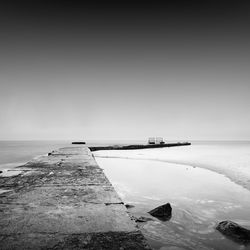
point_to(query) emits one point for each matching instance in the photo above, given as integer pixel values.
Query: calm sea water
(200, 199)
(231, 159)
(182, 176)
(14, 153)
(208, 153)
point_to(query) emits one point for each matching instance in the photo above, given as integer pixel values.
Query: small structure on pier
(151, 140)
(155, 140)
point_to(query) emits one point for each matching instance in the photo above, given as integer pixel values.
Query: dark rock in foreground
(163, 212)
(234, 231)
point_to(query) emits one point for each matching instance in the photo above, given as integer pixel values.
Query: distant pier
(64, 201)
(139, 146)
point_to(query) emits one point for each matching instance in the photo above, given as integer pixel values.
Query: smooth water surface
(15, 153)
(231, 159)
(200, 199)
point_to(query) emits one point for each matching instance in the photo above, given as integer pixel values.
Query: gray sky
(96, 72)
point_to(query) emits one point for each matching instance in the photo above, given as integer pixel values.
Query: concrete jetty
(64, 201)
(139, 146)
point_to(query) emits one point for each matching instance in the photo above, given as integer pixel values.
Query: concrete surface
(64, 201)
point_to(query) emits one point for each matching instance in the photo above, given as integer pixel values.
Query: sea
(16, 153)
(205, 183)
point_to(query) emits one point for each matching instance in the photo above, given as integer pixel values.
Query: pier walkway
(64, 201)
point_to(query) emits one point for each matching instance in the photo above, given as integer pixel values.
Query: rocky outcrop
(163, 212)
(234, 231)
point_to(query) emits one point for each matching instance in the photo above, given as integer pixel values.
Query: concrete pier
(139, 146)
(64, 201)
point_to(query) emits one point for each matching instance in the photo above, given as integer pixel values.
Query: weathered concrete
(64, 201)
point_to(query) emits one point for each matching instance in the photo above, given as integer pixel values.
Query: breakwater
(64, 201)
(139, 146)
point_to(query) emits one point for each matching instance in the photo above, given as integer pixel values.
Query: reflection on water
(200, 199)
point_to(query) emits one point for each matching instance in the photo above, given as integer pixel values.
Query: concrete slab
(64, 201)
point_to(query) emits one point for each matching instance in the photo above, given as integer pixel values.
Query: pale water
(231, 159)
(200, 197)
(15, 153)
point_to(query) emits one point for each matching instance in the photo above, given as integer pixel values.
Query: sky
(124, 70)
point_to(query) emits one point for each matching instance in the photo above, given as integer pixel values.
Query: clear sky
(125, 71)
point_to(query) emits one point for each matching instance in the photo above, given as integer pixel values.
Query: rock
(234, 231)
(1, 171)
(50, 153)
(129, 206)
(143, 219)
(163, 212)
(140, 219)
